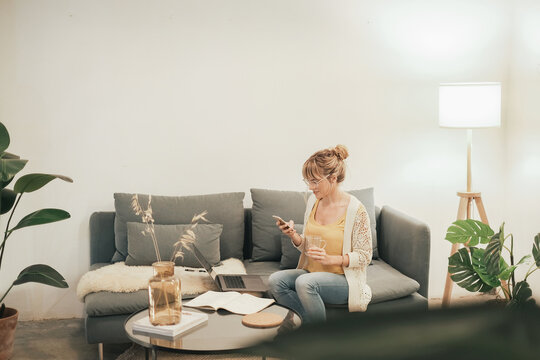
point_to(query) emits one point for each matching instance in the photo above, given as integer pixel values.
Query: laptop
(231, 282)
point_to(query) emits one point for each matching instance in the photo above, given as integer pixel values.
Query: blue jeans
(306, 293)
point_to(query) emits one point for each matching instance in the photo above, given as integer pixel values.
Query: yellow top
(333, 235)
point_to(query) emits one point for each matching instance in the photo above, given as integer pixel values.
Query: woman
(336, 272)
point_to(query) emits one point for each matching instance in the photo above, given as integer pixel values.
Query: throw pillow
(265, 234)
(226, 209)
(289, 254)
(141, 247)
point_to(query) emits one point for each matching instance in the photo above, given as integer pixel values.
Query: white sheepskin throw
(119, 277)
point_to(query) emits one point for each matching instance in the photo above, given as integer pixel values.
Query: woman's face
(321, 187)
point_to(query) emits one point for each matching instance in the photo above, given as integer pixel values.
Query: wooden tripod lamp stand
(468, 106)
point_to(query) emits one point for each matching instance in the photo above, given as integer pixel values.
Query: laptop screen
(202, 260)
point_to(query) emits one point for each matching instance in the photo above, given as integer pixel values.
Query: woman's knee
(273, 280)
(306, 283)
(277, 281)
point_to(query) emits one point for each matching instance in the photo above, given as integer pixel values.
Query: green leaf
(524, 259)
(7, 155)
(521, 296)
(4, 138)
(536, 249)
(506, 271)
(463, 273)
(43, 274)
(43, 216)
(470, 230)
(480, 267)
(33, 182)
(493, 252)
(9, 168)
(8, 199)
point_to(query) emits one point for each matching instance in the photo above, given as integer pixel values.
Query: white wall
(191, 97)
(522, 203)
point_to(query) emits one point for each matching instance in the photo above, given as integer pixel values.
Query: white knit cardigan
(359, 250)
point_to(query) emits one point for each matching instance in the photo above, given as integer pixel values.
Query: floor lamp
(468, 106)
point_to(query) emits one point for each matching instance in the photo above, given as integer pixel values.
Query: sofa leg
(100, 351)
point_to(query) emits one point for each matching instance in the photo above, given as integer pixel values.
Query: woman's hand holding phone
(286, 227)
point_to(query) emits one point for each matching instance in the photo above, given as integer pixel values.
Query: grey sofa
(398, 277)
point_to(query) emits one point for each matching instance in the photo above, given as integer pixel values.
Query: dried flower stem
(146, 216)
(187, 239)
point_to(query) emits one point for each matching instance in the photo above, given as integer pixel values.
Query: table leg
(154, 353)
(146, 353)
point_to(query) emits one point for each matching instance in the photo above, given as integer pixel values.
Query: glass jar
(164, 295)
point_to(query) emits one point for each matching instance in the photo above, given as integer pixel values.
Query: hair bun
(341, 152)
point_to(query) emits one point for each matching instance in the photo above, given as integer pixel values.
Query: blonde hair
(326, 162)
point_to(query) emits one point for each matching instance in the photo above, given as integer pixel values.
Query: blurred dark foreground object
(472, 332)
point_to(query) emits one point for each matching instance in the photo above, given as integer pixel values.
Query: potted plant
(11, 165)
(480, 269)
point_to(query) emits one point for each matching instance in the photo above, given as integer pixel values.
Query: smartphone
(281, 221)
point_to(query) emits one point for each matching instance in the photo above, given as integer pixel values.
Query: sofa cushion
(141, 247)
(263, 268)
(226, 209)
(105, 303)
(291, 205)
(266, 235)
(387, 283)
(289, 253)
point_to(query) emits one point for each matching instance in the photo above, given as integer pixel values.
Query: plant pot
(164, 295)
(7, 332)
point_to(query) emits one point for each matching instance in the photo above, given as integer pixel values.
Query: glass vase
(164, 295)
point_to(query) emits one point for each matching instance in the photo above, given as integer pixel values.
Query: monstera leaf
(466, 275)
(470, 232)
(521, 296)
(479, 266)
(493, 252)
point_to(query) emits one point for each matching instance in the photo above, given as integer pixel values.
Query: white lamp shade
(470, 105)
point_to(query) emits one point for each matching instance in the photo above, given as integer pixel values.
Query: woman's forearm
(296, 239)
(339, 260)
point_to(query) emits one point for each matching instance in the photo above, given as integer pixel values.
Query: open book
(230, 300)
(188, 321)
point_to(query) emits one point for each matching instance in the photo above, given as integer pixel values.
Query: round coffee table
(224, 332)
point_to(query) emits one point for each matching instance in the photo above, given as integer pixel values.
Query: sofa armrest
(404, 243)
(101, 237)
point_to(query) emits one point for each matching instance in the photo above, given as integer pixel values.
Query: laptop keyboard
(234, 282)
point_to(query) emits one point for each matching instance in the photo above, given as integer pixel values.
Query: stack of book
(189, 320)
